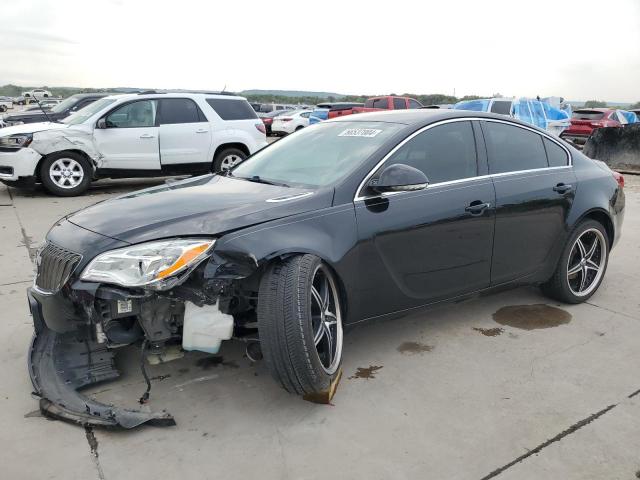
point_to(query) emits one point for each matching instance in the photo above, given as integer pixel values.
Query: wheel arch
(72, 150)
(238, 145)
(604, 218)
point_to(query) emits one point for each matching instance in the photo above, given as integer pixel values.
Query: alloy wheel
(229, 161)
(326, 321)
(66, 173)
(587, 261)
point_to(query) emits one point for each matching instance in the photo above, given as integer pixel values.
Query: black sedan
(57, 112)
(364, 217)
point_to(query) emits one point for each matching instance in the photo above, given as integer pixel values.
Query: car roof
(419, 116)
(173, 94)
(596, 109)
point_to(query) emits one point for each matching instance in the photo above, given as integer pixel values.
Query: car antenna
(41, 108)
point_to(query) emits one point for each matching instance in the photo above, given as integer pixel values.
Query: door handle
(147, 135)
(202, 130)
(477, 207)
(562, 188)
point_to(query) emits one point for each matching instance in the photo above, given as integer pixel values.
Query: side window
(513, 148)
(179, 110)
(229, 109)
(305, 114)
(399, 103)
(414, 104)
(443, 153)
(556, 155)
(501, 107)
(381, 103)
(133, 115)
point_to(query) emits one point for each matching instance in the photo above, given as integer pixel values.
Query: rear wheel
(228, 158)
(300, 324)
(65, 174)
(582, 265)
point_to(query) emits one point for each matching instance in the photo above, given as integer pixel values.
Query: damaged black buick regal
(368, 216)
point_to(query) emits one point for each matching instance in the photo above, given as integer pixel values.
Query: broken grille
(55, 265)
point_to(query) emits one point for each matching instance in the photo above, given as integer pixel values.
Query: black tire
(219, 162)
(567, 288)
(286, 329)
(71, 191)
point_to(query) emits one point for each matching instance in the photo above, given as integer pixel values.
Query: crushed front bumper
(60, 364)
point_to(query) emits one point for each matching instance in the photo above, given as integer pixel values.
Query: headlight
(153, 264)
(16, 141)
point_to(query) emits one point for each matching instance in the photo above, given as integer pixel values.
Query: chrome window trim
(362, 184)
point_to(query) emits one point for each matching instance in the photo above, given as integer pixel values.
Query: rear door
(185, 134)
(535, 188)
(130, 139)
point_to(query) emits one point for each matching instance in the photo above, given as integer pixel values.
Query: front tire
(227, 159)
(300, 324)
(65, 174)
(582, 264)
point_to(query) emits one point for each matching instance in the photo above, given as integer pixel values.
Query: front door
(422, 246)
(535, 188)
(130, 139)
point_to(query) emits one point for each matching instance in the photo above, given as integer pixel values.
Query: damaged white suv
(133, 135)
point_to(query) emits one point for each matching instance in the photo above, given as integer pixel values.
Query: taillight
(260, 127)
(596, 124)
(619, 178)
(285, 119)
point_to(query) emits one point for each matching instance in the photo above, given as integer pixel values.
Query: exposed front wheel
(582, 265)
(65, 174)
(300, 324)
(227, 159)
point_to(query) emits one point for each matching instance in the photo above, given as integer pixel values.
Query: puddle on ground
(368, 372)
(531, 317)
(208, 362)
(411, 348)
(489, 332)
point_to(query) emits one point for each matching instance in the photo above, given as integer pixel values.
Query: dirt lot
(448, 394)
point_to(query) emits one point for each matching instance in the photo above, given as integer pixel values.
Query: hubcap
(66, 173)
(326, 321)
(586, 262)
(230, 161)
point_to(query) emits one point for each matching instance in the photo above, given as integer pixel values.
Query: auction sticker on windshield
(360, 132)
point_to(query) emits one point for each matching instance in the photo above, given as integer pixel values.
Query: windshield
(64, 105)
(84, 113)
(319, 155)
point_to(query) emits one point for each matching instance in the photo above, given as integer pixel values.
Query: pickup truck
(388, 102)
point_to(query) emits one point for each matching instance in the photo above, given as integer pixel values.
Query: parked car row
(117, 136)
(586, 120)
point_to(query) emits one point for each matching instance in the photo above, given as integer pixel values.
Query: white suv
(133, 135)
(37, 93)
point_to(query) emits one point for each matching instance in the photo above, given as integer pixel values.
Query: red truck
(388, 102)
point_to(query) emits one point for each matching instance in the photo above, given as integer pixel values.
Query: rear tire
(228, 158)
(66, 174)
(582, 264)
(300, 324)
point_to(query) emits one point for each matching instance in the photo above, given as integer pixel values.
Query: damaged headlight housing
(153, 264)
(16, 141)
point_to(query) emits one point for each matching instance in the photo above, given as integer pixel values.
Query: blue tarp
(533, 111)
(630, 116)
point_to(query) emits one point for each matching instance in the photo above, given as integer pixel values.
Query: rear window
(587, 115)
(399, 104)
(381, 103)
(503, 108)
(179, 110)
(229, 109)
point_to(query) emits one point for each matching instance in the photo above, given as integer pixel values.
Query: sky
(578, 49)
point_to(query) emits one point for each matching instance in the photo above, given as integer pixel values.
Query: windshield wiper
(258, 179)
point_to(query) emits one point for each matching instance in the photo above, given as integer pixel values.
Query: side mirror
(399, 178)
(102, 123)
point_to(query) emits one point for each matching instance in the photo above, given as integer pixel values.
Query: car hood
(208, 205)
(33, 116)
(31, 128)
